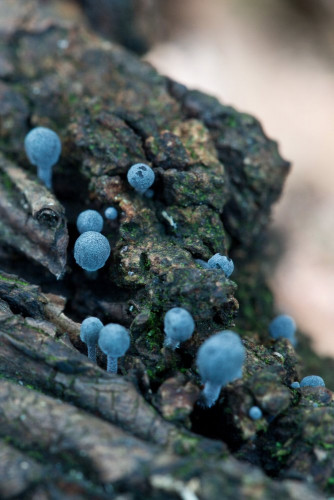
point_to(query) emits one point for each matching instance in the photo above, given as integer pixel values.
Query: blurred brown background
(274, 59)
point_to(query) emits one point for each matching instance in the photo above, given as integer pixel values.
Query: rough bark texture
(69, 429)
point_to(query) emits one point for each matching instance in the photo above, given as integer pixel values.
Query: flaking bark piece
(20, 296)
(17, 471)
(31, 219)
(25, 475)
(62, 431)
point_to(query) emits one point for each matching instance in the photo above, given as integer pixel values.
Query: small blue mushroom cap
(111, 213)
(312, 381)
(221, 357)
(43, 148)
(295, 385)
(283, 326)
(90, 329)
(221, 262)
(89, 220)
(255, 413)
(178, 325)
(140, 177)
(89, 334)
(114, 340)
(91, 250)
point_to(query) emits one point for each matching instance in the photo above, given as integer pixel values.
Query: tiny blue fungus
(43, 148)
(312, 381)
(114, 341)
(89, 334)
(91, 250)
(220, 360)
(89, 220)
(255, 413)
(111, 213)
(283, 326)
(315, 405)
(221, 262)
(140, 177)
(179, 327)
(295, 385)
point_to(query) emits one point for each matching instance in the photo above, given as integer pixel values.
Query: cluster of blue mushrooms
(43, 148)
(221, 357)
(91, 249)
(309, 381)
(112, 339)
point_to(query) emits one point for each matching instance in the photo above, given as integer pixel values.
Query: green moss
(7, 182)
(327, 446)
(186, 445)
(13, 280)
(36, 455)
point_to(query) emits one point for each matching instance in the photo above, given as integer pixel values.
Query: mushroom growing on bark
(89, 334)
(43, 148)
(114, 341)
(179, 326)
(220, 360)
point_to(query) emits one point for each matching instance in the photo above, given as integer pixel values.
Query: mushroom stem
(211, 393)
(45, 174)
(91, 352)
(172, 343)
(111, 364)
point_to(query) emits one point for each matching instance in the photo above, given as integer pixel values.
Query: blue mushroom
(111, 213)
(255, 413)
(89, 334)
(91, 250)
(114, 341)
(295, 385)
(43, 148)
(221, 262)
(140, 177)
(89, 220)
(179, 326)
(220, 360)
(312, 381)
(283, 326)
